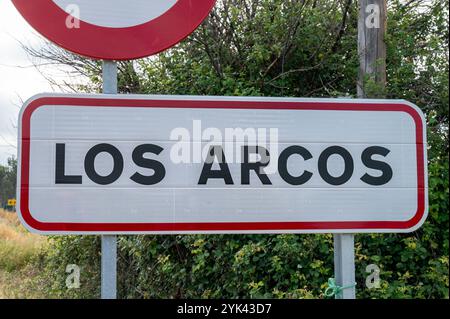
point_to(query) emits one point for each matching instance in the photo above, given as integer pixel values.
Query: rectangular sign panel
(93, 164)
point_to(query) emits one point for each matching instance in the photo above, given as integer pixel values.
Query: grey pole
(109, 242)
(109, 77)
(344, 265)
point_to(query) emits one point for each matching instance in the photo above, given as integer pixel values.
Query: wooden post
(372, 48)
(371, 83)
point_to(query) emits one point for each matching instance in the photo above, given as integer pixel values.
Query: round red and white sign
(115, 29)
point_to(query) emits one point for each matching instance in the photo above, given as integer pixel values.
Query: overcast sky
(18, 79)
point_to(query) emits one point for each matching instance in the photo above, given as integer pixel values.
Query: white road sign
(97, 164)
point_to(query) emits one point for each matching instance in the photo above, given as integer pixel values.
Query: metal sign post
(109, 242)
(344, 265)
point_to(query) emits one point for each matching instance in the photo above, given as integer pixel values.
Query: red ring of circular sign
(116, 43)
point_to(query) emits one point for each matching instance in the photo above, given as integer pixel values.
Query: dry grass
(23, 284)
(18, 247)
(9, 217)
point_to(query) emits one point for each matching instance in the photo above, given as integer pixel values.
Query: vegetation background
(300, 48)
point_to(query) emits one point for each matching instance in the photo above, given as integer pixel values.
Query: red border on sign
(217, 226)
(116, 43)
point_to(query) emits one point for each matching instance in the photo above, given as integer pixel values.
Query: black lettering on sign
(385, 168)
(323, 165)
(89, 165)
(257, 167)
(141, 161)
(60, 167)
(282, 165)
(223, 172)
